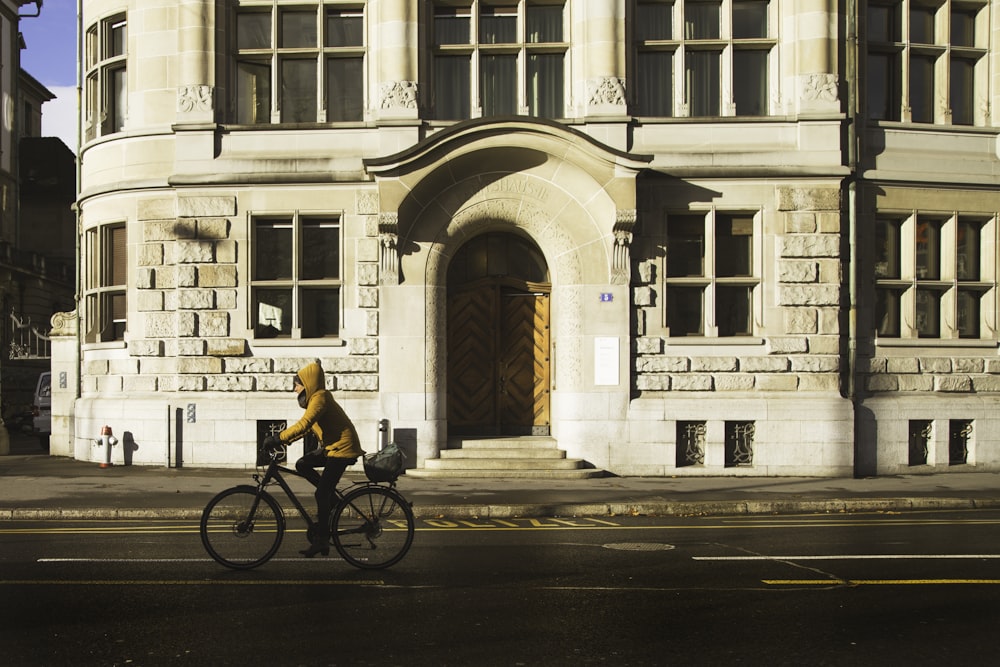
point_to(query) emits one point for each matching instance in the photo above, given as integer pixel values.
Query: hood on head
(312, 378)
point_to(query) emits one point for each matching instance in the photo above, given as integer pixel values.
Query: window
(295, 276)
(500, 57)
(105, 279)
(710, 274)
(311, 56)
(930, 67)
(932, 276)
(106, 90)
(703, 57)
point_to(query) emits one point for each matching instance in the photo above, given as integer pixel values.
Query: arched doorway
(498, 338)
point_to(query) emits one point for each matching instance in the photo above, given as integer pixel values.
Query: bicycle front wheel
(372, 527)
(242, 527)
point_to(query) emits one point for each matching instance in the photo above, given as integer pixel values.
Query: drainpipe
(851, 64)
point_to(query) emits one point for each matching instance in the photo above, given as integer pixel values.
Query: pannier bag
(385, 465)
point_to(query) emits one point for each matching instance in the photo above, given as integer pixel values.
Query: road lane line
(855, 557)
(880, 582)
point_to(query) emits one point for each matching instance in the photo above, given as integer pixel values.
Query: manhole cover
(639, 546)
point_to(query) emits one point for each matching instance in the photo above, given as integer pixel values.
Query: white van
(41, 407)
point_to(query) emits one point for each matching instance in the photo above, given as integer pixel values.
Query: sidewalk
(37, 486)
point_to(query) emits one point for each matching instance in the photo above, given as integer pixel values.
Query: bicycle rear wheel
(242, 527)
(372, 527)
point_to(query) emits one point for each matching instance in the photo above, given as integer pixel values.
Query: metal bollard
(383, 433)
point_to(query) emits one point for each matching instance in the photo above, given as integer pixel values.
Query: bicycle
(371, 525)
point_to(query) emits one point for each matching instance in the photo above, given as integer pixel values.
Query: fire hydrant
(107, 440)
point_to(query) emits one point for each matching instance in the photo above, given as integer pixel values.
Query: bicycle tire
(242, 527)
(372, 527)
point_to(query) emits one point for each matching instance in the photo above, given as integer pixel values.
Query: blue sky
(50, 57)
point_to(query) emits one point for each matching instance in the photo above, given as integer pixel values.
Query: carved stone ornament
(399, 95)
(388, 234)
(821, 87)
(609, 90)
(194, 98)
(64, 324)
(621, 270)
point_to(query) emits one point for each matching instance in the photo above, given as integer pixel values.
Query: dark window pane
(655, 82)
(118, 39)
(701, 20)
(498, 81)
(345, 89)
(703, 83)
(963, 28)
(887, 313)
(685, 311)
(320, 249)
(963, 86)
(320, 313)
(497, 25)
(968, 313)
(733, 308)
(883, 86)
(887, 248)
(654, 21)
(253, 93)
(733, 246)
(452, 87)
(452, 25)
(750, 82)
(921, 24)
(883, 23)
(298, 29)
(922, 89)
(544, 23)
(545, 85)
(298, 90)
(928, 313)
(118, 261)
(273, 250)
(749, 19)
(928, 253)
(967, 261)
(253, 30)
(685, 246)
(344, 28)
(272, 310)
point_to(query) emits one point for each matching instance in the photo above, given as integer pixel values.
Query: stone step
(525, 442)
(502, 464)
(503, 453)
(579, 473)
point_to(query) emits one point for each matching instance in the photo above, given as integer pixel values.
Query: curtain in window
(750, 83)
(253, 93)
(702, 84)
(963, 77)
(344, 94)
(298, 90)
(545, 85)
(452, 92)
(545, 23)
(498, 84)
(655, 83)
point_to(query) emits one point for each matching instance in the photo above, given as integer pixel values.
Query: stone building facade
(672, 237)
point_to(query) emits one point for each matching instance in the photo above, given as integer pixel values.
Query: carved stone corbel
(388, 236)
(621, 269)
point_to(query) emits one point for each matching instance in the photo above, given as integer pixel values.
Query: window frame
(105, 266)
(685, 51)
(905, 43)
(939, 277)
(296, 282)
(272, 57)
(712, 281)
(106, 77)
(528, 56)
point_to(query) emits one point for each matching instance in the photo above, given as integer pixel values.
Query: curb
(538, 510)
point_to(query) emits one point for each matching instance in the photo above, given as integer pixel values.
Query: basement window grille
(690, 443)
(920, 436)
(266, 427)
(959, 433)
(739, 444)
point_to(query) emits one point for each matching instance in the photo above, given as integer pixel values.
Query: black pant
(325, 483)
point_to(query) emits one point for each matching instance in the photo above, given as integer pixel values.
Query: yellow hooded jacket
(324, 417)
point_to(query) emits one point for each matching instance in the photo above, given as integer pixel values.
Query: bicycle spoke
(372, 527)
(242, 529)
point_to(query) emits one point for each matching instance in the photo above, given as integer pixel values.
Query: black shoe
(316, 548)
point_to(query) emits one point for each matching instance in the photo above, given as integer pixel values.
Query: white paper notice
(606, 360)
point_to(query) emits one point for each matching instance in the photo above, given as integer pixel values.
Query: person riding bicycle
(338, 446)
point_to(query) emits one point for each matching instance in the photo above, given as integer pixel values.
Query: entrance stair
(524, 457)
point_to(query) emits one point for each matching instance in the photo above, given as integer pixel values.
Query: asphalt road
(914, 588)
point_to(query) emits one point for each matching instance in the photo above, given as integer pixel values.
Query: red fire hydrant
(107, 440)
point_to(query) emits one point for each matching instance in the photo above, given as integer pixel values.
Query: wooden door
(498, 360)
